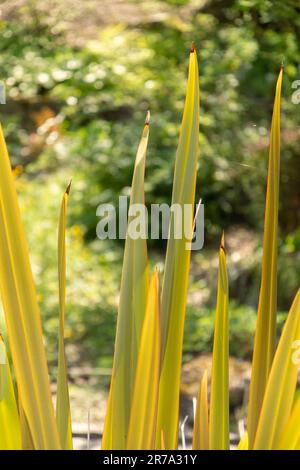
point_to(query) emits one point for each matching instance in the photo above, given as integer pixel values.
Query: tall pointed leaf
(132, 305)
(142, 423)
(175, 281)
(281, 386)
(63, 411)
(219, 396)
(264, 344)
(22, 314)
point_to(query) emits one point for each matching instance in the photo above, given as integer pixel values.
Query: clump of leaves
(143, 403)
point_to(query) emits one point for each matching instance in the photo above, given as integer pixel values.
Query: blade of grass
(175, 281)
(201, 428)
(219, 397)
(22, 314)
(141, 434)
(10, 435)
(264, 344)
(63, 411)
(132, 305)
(281, 386)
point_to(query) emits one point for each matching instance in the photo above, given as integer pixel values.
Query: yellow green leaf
(219, 395)
(243, 444)
(26, 437)
(175, 280)
(201, 429)
(10, 435)
(281, 386)
(106, 441)
(141, 434)
(132, 305)
(163, 445)
(63, 411)
(264, 344)
(22, 314)
(290, 436)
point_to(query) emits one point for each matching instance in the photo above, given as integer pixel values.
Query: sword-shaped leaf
(264, 344)
(63, 411)
(175, 281)
(132, 305)
(142, 424)
(281, 386)
(219, 395)
(22, 314)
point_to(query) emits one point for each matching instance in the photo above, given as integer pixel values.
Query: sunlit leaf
(175, 281)
(281, 386)
(201, 429)
(264, 344)
(290, 436)
(219, 395)
(142, 423)
(26, 437)
(132, 305)
(63, 412)
(10, 435)
(243, 444)
(22, 314)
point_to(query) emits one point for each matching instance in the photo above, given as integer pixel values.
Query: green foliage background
(76, 101)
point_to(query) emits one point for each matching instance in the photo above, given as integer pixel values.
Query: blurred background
(79, 77)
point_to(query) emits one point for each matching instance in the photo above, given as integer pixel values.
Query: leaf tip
(147, 120)
(222, 244)
(68, 188)
(193, 48)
